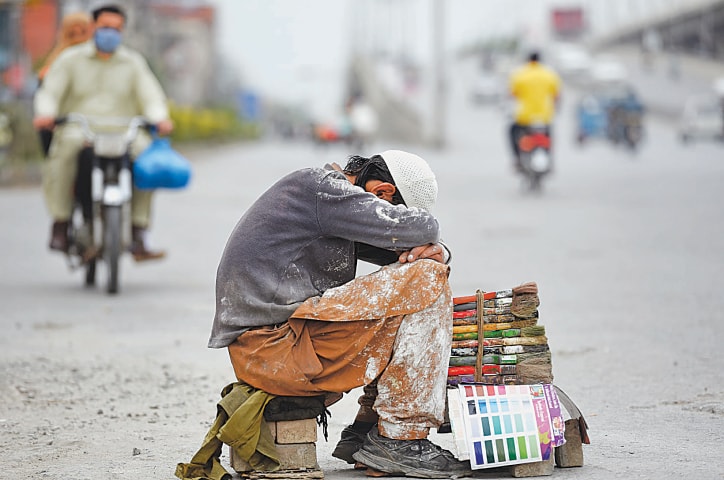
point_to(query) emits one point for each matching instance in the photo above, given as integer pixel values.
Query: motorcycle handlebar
(132, 124)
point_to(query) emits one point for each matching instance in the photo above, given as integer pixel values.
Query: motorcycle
(625, 126)
(100, 224)
(534, 150)
(611, 111)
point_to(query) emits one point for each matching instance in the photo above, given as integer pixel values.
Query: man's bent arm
(47, 99)
(150, 94)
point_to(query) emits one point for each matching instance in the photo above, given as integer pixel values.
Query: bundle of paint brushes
(497, 339)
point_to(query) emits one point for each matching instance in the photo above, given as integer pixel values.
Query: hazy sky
(298, 49)
(284, 47)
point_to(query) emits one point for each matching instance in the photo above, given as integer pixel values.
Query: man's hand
(44, 123)
(433, 251)
(164, 127)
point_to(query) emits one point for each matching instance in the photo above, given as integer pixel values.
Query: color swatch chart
(504, 424)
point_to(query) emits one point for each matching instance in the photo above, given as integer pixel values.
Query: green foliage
(19, 140)
(503, 45)
(20, 143)
(200, 124)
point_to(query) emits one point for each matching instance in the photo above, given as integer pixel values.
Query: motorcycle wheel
(90, 273)
(633, 137)
(80, 238)
(534, 183)
(112, 245)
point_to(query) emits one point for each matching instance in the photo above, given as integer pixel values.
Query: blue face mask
(107, 39)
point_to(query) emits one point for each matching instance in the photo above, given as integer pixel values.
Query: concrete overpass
(399, 120)
(696, 27)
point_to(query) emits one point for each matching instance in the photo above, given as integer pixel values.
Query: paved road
(626, 249)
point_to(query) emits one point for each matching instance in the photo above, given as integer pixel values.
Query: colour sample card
(505, 424)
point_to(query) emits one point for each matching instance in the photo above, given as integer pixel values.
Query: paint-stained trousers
(60, 170)
(393, 326)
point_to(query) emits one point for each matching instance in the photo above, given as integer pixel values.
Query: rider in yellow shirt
(536, 89)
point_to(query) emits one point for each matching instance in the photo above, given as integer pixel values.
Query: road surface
(626, 249)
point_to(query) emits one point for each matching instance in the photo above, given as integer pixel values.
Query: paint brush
(539, 340)
(486, 296)
(470, 332)
(506, 317)
(510, 349)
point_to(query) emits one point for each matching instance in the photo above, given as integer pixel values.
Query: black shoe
(59, 237)
(141, 253)
(138, 246)
(349, 442)
(412, 458)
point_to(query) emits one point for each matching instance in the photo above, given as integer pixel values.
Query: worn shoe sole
(345, 450)
(145, 256)
(348, 444)
(384, 465)
(59, 246)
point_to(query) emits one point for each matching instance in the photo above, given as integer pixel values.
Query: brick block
(237, 463)
(535, 469)
(296, 431)
(298, 455)
(291, 456)
(570, 454)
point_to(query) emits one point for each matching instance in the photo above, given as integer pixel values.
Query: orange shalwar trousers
(393, 326)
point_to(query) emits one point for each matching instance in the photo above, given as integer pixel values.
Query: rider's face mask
(107, 39)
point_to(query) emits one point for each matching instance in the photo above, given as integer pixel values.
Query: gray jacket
(301, 237)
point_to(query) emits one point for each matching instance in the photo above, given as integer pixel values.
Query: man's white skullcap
(413, 177)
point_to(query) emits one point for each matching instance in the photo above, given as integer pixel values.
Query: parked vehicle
(335, 131)
(625, 123)
(100, 226)
(702, 118)
(591, 117)
(607, 70)
(572, 61)
(612, 111)
(534, 147)
(488, 88)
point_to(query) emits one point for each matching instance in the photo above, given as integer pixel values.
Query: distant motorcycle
(534, 147)
(100, 226)
(625, 126)
(613, 112)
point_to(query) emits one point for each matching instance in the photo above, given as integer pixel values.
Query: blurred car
(702, 117)
(718, 86)
(571, 61)
(487, 88)
(331, 130)
(608, 70)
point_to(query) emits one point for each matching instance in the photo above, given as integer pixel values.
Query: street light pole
(439, 121)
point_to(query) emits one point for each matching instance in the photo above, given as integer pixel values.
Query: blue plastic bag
(160, 166)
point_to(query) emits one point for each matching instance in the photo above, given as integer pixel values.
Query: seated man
(297, 322)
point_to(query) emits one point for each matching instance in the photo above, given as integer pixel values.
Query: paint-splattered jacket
(303, 236)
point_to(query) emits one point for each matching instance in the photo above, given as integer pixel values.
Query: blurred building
(689, 26)
(177, 38)
(21, 43)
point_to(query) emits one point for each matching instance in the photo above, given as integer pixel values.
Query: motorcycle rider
(75, 28)
(536, 89)
(99, 78)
